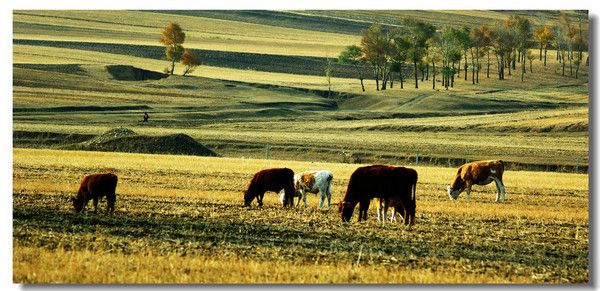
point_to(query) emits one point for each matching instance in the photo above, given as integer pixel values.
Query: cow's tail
(414, 189)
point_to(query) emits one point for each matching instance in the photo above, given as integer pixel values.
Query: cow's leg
(110, 207)
(96, 204)
(468, 191)
(502, 190)
(386, 205)
(498, 190)
(379, 209)
(259, 199)
(303, 197)
(364, 208)
(323, 196)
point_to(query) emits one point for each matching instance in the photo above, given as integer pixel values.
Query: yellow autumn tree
(190, 61)
(173, 37)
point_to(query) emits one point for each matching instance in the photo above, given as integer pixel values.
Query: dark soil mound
(130, 73)
(125, 140)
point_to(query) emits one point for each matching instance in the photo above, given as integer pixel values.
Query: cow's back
(272, 179)
(376, 180)
(100, 183)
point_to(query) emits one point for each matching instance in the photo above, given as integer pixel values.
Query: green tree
(173, 37)
(352, 55)
(464, 41)
(419, 33)
(401, 45)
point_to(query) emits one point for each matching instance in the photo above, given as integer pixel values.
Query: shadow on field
(187, 227)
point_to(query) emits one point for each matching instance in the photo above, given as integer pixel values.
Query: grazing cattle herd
(394, 187)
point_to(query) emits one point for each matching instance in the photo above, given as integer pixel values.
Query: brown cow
(270, 180)
(95, 187)
(478, 173)
(391, 183)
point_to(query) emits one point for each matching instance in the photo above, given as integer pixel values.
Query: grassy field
(181, 220)
(261, 100)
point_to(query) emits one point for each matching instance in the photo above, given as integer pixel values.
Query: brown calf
(270, 180)
(95, 187)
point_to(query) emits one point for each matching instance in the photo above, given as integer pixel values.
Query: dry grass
(179, 220)
(143, 27)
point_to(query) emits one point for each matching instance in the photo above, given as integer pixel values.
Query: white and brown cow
(317, 182)
(478, 173)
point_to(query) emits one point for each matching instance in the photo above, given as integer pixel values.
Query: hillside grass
(179, 219)
(547, 125)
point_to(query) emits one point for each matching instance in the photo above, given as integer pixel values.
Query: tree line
(427, 52)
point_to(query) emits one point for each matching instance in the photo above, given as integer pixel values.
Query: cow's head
(77, 204)
(346, 209)
(453, 192)
(248, 198)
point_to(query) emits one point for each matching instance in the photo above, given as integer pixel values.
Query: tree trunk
(427, 72)
(488, 64)
(545, 53)
(478, 66)
(391, 79)
(562, 56)
(541, 45)
(362, 85)
(473, 64)
(531, 66)
(452, 77)
(522, 61)
(416, 75)
(570, 57)
(466, 65)
(433, 68)
(401, 77)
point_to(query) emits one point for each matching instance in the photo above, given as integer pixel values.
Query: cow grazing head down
(453, 193)
(77, 204)
(275, 180)
(346, 209)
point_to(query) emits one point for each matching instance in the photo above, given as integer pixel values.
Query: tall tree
(530, 57)
(419, 33)
(328, 76)
(435, 54)
(544, 35)
(190, 61)
(450, 53)
(482, 40)
(352, 55)
(372, 46)
(402, 46)
(173, 37)
(522, 28)
(465, 43)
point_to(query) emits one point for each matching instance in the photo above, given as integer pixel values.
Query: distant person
(146, 116)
